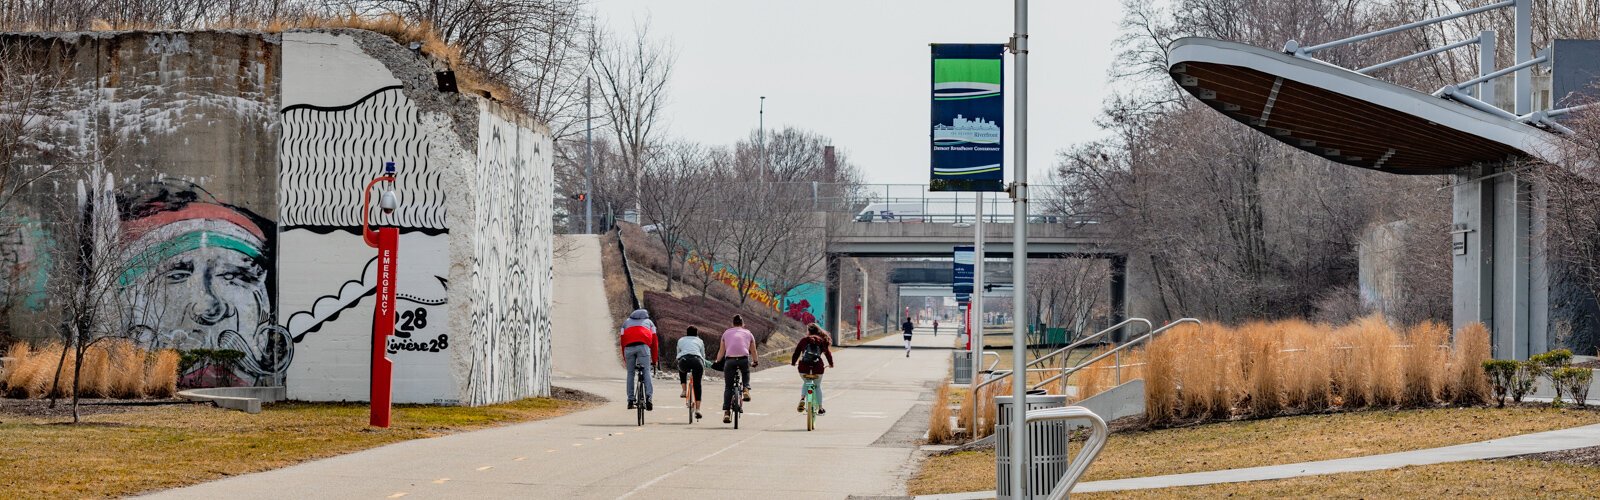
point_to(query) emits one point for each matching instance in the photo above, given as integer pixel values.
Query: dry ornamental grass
(1266, 369)
(112, 368)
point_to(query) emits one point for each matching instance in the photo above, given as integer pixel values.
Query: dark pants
(739, 366)
(688, 365)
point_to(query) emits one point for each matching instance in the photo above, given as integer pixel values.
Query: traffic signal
(580, 196)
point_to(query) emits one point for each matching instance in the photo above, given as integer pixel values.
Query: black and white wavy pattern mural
(511, 266)
(328, 153)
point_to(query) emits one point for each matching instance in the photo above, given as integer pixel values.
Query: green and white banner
(967, 112)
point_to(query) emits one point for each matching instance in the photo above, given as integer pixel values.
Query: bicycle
(638, 390)
(688, 399)
(812, 403)
(737, 406)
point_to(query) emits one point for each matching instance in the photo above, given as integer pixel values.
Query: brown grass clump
(1260, 361)
(939, 429)
(127, 371)
(22, 377)
(1161, 382)
(161, 377)
(1470, 384)
(1424, 363)
(988, 413)
(95, 375)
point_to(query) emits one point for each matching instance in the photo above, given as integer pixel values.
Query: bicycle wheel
(688, 401)
(738, 404)
(638, 388)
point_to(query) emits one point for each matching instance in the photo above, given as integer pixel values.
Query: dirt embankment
(685, 305)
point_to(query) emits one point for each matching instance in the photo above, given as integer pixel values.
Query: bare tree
(676, 196)
(633, 75)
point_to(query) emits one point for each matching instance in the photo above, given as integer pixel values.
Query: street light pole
(588, 159)
(1019, 259)
(761, 136)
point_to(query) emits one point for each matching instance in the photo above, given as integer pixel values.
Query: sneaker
(801, 408)
(822, 411)
(727, 417)
(747, 395)
(697, 416)
(631, 404)
(683, 394)
(648, 406)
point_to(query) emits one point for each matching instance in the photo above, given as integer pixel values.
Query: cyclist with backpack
(808, 354)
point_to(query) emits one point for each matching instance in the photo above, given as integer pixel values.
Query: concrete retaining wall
(236, 163)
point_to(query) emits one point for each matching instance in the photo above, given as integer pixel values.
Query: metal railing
(1067, 372)
(1098, 433)
(999, 375)
(996, 362)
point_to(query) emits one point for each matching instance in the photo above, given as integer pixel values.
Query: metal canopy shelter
(1500, 274)
(1345, 116)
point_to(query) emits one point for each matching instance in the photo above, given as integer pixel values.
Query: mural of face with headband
(197, 275)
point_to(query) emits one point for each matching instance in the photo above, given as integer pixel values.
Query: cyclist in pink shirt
(738, 354)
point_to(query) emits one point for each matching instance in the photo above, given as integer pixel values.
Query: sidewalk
(1566, 439)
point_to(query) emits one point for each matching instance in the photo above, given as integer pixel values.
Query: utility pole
(1019, 259)
(588, 158)
(761, 136)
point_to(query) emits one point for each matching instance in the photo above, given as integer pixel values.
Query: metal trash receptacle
(1047, 447)
(962, 364)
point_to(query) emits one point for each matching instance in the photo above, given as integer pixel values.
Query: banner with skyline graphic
(968, 110)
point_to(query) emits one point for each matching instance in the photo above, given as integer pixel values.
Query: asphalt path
(877, 401)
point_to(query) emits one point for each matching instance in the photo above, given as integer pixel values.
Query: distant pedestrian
(905, 331)
(936, 328)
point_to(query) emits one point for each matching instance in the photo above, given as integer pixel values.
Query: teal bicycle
(812, 403)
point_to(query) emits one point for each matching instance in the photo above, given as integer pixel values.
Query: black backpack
(813, 353)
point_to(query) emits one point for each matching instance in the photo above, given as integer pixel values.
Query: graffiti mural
(196, 273)
(511, 273)
(337, 133)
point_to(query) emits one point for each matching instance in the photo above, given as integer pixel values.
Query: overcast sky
(858, 70)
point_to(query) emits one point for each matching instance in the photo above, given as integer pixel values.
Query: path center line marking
(681, 468)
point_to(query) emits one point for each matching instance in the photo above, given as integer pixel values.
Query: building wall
(511, 274)
(233, 168)
(166, 141)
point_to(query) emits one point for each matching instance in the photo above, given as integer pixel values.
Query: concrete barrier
(245, 399)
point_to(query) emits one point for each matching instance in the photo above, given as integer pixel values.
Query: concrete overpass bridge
(1048, 238)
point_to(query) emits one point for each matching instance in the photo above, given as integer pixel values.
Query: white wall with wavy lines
(344, 114)
(473, 303)
(511, 259)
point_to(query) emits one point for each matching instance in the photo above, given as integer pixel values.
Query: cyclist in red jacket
(638, 340)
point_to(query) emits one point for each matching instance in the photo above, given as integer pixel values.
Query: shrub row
(1517, 379)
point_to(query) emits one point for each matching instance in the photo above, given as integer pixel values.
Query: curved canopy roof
(1345, 116)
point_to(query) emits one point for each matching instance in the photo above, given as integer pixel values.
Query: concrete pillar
(831, 299)
(1472, 251)
(1511, 225)
(1500, 275)
(1119, 293)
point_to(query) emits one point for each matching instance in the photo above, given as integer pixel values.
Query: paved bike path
(601, 453)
